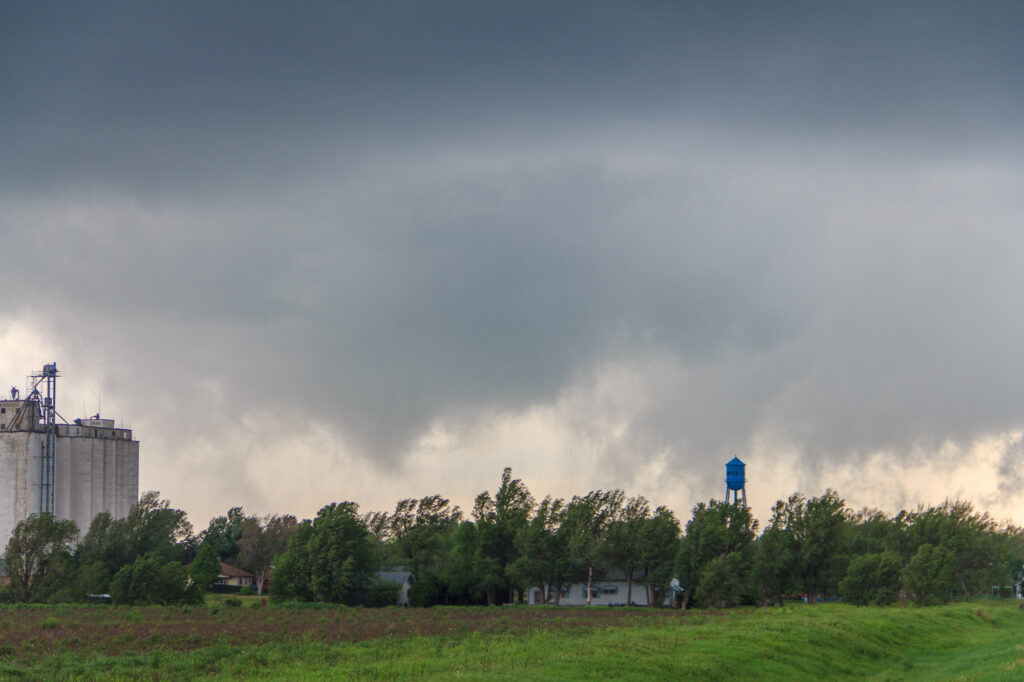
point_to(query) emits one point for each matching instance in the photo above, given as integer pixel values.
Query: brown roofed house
(236, 577)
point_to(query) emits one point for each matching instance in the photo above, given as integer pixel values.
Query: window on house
(609, 589)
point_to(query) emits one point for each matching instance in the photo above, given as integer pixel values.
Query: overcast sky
(315, 252)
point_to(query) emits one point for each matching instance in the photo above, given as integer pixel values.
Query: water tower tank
(736, 481)
(735, 476)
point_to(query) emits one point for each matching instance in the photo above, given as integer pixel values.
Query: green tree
(261, 542)
(816, 529)
(1009, 561)
(205, 567)
(622, 547)
(659, 545)
(92, 578)
(971, 539)
(428, 592)
(223, 534)
(498, 520)
(154, 580)
(775, 560)
(543, 560)
(151, 526)
(383, 593)
(36, 544)
(491, 556)
(929, 577)
(870, 531)
(460, 583)
(101, 553)
(419, 537)
(292, 572)
(716, 530)
(722, 580)
(60, 584)
(872, 579)
(328, 559)
(584, 529)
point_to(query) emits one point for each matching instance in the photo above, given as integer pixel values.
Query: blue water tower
(736, 481)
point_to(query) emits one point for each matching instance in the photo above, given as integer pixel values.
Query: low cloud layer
(350, 253)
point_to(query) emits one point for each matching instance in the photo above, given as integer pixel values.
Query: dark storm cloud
(165, 95)
(379, 215)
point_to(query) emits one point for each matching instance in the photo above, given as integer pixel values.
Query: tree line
(151, 556)
(812, 548)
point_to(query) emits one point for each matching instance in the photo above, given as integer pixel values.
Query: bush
(225, 589)
(872, 579)
(63, 596)
(152, 580)
(93, 578)
(383, 593)
(245, 591)
(205, 568)
(49, 623)
(425, 592)
(928, 578)
(233, 602)
(722, 581)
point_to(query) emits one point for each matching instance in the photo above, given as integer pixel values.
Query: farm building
(73, 470)
(611, 590)
(400, 577)
(233, 576)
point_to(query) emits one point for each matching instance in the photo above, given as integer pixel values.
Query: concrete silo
(72, 470)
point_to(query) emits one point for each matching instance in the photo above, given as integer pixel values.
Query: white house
(609, 590)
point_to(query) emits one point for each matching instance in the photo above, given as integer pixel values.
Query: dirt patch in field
(28, 631)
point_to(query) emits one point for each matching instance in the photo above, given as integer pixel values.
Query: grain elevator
(73, 470)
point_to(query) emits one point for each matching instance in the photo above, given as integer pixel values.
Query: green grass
(971, 641)
(964, 641)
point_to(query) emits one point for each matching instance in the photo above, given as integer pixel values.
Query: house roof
(395, 576)
(229, 571)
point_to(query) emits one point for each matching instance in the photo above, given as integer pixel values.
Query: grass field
(981, 640)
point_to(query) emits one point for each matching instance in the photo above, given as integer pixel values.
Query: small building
(403, 578)
(232, 576)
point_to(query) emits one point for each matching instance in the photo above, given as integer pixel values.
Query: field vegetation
(976, 640)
